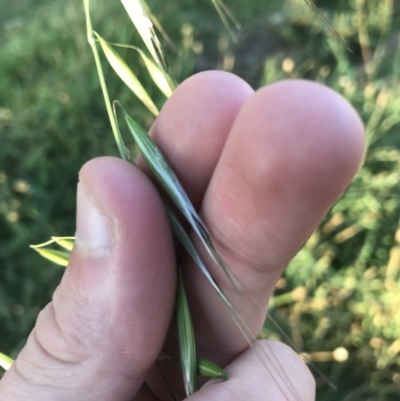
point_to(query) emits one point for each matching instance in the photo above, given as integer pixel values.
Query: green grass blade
(5, 361)
(168, 179)
(58, 257)
(187, 343)
(226, 16)
(206, 368)
(127, 75)
(161, 78)
(164, 81)
(184, 239)
(126, 150)
(160, 167)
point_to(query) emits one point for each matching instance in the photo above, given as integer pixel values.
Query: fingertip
(202, 110)
(194, 124)
(269, 369)
(318, 124)
(279, 368)
(287, 365)
(304, 132)
(114, 178)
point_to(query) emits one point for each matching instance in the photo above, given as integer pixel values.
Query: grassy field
(342, 291)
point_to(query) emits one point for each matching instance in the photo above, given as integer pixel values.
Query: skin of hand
(263, 169)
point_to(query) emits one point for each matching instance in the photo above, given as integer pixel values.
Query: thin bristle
(312, 5)
(225, 16)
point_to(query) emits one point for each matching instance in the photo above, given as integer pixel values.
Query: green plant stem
(92, 43)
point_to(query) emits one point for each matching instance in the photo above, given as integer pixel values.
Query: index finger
(292, 150)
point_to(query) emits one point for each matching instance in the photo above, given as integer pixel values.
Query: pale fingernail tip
(94, 228)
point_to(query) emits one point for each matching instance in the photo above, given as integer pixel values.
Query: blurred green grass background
(342, 290)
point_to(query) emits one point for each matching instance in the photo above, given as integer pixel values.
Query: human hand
(263, 169)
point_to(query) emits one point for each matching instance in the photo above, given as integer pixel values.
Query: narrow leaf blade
(187, 344)
(127, 75)
(58, 257)
(160, 77)
(5, 361)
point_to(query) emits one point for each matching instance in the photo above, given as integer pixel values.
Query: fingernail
(93, 226)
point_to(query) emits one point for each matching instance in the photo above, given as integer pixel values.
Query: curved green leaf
(127, 76)
(187, 342)
(5, 361)
(58, 257)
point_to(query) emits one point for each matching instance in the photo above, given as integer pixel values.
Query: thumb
(107, 321)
